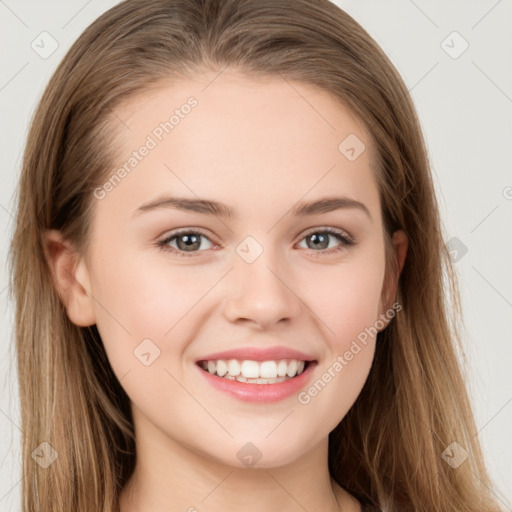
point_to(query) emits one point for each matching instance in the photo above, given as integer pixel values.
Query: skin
(259, 146)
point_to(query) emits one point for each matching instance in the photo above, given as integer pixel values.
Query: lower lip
(260, 392)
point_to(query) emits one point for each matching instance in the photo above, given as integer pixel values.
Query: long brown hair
(388, 449)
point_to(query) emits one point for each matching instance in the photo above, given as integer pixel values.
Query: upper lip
(259, 354)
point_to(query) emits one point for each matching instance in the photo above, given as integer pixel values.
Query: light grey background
(465, 105)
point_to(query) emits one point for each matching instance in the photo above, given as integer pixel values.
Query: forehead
(238, 106)
(241, 140)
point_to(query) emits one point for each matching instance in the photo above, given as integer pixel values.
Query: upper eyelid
(185, 231)
(338, 231)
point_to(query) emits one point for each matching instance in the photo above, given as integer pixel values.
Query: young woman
(228, 270)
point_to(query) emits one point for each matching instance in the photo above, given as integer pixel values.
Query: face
(174, 283)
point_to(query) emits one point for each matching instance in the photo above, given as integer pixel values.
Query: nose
(262, 293)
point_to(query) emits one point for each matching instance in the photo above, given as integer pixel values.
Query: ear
(400, 244)
(70, 277)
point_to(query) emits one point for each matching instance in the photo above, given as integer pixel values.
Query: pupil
(324, 240)
(190, 241)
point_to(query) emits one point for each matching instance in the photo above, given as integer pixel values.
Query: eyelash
(344, 238)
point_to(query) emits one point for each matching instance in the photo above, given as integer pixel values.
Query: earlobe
(400, 244)
(70, 278)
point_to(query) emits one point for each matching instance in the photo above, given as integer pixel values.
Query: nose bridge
(261, 288)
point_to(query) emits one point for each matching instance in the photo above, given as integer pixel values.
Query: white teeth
(282, 367)
(292, 368)
(264, 372)
(233, 367)
(222, 368)
(268, 370)
(250, 369)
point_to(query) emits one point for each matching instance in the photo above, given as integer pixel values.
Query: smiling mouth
(255, 372)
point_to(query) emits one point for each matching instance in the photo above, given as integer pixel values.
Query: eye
(320, 240)
(187, 242)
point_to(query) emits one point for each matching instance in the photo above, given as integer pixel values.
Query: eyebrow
(208, 207)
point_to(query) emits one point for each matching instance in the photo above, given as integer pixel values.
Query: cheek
(345, 298)
(128, 308)
(137, 301)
